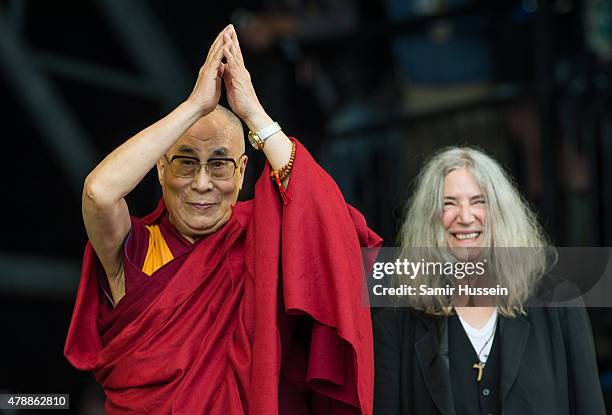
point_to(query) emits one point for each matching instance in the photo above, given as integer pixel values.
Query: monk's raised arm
(244, 102)
(105, 212)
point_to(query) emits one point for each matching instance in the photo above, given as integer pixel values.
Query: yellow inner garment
(158, 253)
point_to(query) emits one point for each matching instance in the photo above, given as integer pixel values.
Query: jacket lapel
(514, 334)
(432, 354)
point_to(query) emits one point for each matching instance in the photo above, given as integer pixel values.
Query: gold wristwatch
(258, 139)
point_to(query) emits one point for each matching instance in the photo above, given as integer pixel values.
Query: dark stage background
(371, 87)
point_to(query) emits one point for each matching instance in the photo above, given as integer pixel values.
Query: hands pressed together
(225, 65)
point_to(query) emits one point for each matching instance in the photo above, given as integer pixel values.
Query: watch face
(254, 139)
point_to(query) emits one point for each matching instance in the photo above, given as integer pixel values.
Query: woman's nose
(465, 214)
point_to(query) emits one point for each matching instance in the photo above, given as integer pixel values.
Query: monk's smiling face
(201, 204)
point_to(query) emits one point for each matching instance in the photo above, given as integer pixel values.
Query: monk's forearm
(278, 146)
(121, 171)
(245, 104)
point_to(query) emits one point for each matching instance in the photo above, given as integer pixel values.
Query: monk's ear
(243, 163)
(160, 171)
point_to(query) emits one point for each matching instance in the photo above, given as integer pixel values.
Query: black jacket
(547, 362)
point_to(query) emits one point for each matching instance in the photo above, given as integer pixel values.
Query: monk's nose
(201, 181)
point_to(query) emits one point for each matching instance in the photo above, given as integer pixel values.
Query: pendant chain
(487, 342)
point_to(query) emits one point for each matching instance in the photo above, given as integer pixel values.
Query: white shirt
(478, 337)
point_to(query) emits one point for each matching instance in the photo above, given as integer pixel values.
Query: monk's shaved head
(221, 122)
(233, 121)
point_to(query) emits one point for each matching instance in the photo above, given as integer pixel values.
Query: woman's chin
(467, 252)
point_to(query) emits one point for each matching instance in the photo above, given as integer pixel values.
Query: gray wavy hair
(509, 223)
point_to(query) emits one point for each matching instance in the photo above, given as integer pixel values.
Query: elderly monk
(213, 306)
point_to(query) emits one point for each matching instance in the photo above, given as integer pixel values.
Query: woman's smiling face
(464, 211)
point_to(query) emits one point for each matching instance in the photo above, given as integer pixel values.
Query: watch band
(259, 138)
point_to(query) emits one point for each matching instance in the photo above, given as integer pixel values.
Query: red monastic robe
(265, 316)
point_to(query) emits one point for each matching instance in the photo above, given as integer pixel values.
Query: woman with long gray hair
(465, 354)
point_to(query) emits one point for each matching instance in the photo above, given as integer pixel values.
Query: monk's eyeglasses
(216, 168)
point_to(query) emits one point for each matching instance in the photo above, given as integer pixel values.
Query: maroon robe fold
(221, 334)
